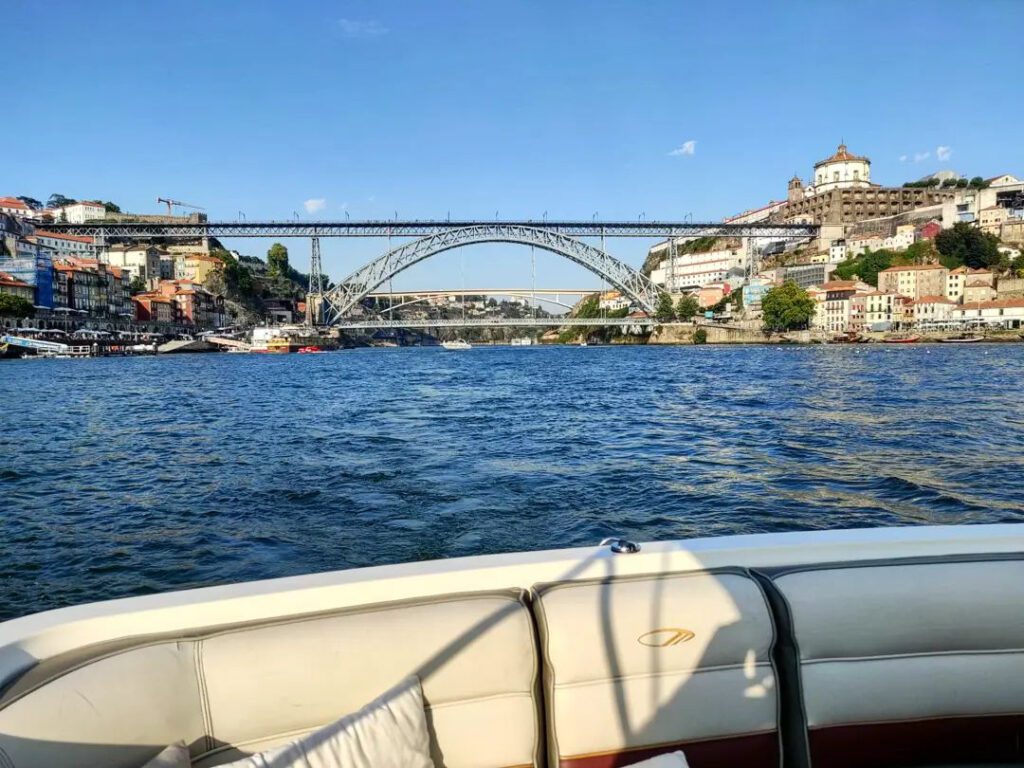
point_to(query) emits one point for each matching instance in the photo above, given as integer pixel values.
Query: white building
(1002, 313)
(842, 170)
(142, 261)
(932, 309)
(612, 300)
(689, 271)
(67, 246)
(80, 212)
(837, 251)
(855, 246)
(903, 239)
(15, 207)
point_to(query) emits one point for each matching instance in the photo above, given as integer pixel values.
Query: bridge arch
(340, 300)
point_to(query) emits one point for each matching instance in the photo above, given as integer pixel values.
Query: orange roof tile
(994, 304)
(60, 236)
(913, 268)
(841, 155)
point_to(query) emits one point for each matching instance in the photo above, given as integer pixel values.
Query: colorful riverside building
(180, 302)
(11, 286)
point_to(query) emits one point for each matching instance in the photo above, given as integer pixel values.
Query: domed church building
(841, 193)
(841, 171)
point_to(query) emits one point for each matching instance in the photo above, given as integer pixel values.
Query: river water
(130, 476)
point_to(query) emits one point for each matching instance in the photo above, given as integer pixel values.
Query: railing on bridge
(412, 228)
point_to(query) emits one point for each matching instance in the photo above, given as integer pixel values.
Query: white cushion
(389, 732)
(174, 756)
(668, 760)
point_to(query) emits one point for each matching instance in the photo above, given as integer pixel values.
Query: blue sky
(572, 107)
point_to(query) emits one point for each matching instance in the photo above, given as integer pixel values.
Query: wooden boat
(902, 340)
(871, 647)
(962, 340)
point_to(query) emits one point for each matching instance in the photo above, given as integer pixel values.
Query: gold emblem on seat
(663, 638)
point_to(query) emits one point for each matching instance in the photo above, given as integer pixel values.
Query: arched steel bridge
(340, 301)
(435, 236)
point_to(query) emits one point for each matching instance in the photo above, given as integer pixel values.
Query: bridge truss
(372, 324)
(342, 299)
(112, 229)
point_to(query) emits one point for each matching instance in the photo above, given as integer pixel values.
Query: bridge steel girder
(396, 228)
(341, 300)
(503, 322)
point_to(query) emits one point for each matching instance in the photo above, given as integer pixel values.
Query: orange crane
(170, 203)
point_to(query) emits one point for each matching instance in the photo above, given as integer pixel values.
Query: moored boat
(457, 344)
(902, 340)
(962, 340)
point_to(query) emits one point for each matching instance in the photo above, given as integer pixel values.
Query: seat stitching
(667, 673)
(913, 655)
(204, 700)
(5, 759)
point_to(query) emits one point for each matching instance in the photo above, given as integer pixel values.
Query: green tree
(57, 200)
(700, 336)
(787, 307)
(865, 267)
(15, 306)
(977, 183)
(110, 207)
(277, 260)
(1017, 265)
(967, 245)
(31, 202)
(664, 312)
(687, 307)
(137, 285)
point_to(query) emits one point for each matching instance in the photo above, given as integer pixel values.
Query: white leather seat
(909, 663)
(641, 665)
(237, 691)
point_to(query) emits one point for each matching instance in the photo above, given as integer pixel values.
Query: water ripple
(126, 477)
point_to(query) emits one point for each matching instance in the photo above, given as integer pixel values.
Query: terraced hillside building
(842, 193)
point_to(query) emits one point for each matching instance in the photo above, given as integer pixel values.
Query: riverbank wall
(682, 333)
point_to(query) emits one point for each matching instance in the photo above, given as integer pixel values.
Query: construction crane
(171, 203)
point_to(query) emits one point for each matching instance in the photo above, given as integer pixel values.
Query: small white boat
(457, 344)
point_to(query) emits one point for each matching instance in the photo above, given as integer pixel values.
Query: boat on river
(962, 340)
(457, 344)
(902, 340)
(868, 647)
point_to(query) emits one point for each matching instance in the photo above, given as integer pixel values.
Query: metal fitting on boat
(621, 546)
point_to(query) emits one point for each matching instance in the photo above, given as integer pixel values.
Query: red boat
(903, 340)
(309, 350)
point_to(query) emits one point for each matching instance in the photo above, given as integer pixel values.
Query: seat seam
(660, 675)
(204, 701)
(925, 719)
(917, 655)
(5, 759)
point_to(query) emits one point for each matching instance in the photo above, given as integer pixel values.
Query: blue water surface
(131, 476)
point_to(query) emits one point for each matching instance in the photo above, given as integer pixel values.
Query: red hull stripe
(758, 751)
(945, 741)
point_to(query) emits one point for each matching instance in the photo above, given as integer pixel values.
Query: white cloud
(903, 158)
(944, 153)
(687, 148)
(919, 156)
(353, 29)
(371, 198)
(315, 204)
